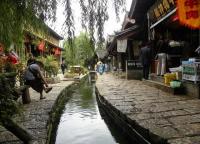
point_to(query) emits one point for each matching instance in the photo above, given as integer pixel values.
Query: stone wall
(136, 133)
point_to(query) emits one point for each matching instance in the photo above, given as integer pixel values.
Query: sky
(110, 26)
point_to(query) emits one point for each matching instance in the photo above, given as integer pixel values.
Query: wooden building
(179, 42)
(42, 43)
(124, 48)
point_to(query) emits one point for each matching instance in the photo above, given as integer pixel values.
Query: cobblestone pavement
(35, 115)
(175, 118)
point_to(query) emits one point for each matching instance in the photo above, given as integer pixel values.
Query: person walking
(145, 56)
(100, 67)
(63, 67)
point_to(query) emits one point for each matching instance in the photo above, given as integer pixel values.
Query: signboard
(160, 10)
(121, 45)
(191, 72)
(133, 64)
(189, 13)
(130, 64)
(133, 69)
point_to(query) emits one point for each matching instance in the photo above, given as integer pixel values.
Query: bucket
(175, 84)
(168, 77)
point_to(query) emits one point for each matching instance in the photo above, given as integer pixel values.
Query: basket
(175, 84)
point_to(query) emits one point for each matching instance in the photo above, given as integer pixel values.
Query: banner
(121, 45)
(189, 13)
(160, 10)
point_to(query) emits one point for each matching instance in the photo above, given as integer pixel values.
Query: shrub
(51, 65)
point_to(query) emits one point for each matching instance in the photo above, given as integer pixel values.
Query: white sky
(110, 26)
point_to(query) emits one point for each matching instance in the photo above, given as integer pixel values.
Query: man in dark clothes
(63, 67)
(145, 56)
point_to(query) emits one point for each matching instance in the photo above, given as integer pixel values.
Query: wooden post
(18, 131)
(26, 96)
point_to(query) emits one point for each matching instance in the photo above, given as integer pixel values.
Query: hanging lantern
(57, 51)
(41, 46)
(189, 13)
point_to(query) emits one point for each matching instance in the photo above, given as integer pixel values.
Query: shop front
(134, 33)
(42, 44)
(124, 50)
(174, 47)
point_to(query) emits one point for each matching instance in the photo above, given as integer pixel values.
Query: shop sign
(189, 12)
(133, 64)
(189, 70)
(121, 45)
(160, 9)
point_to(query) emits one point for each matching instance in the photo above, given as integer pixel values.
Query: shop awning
(128, 32)
(125, 34)
(163, 18)
(53, 45)
(139, 9)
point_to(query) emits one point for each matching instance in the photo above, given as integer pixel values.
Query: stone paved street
(35, 115)
(172, 117)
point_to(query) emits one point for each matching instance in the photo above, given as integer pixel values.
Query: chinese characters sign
(189, 12)
(160, 9)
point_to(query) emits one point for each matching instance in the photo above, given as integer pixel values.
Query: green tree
(9, 107)
(81, 50)
(19, 15)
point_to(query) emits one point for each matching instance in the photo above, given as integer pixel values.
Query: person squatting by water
(34, 78)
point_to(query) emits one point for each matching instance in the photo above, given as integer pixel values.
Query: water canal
(82, 122)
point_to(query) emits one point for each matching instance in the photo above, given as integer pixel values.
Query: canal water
(83, 123)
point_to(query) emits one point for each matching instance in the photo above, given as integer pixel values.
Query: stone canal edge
(41, 117)
(145, 113)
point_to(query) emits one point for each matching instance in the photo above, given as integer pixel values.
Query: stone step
(164, 87)
(156, 78)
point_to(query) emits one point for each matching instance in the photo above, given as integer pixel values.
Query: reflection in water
(81, 122)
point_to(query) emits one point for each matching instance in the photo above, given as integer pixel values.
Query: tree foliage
(95, 13)
(7, 103)
(19, 15)
(80, 51)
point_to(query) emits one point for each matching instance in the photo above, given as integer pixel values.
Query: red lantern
(41, 46)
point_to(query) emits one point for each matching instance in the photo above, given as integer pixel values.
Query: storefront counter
(192, 89)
